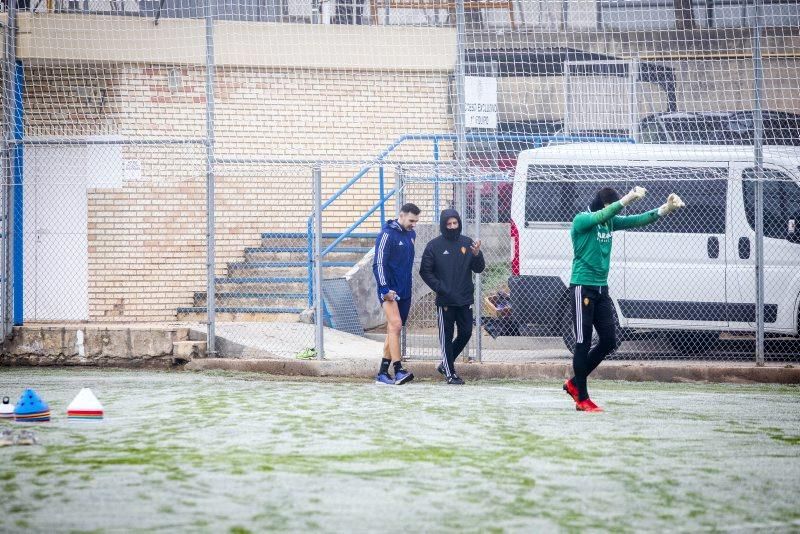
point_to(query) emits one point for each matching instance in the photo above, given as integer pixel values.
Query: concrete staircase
(271, 284)
(188, 345)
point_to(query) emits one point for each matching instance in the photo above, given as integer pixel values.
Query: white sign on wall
(132, 170)
(480, 102)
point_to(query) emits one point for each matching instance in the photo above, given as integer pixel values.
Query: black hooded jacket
(448, 263)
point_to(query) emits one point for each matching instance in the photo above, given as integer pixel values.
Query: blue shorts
(404, 305)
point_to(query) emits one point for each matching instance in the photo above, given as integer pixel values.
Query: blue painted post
(16, 215)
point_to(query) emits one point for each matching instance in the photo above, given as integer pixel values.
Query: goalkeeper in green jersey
(591, 305)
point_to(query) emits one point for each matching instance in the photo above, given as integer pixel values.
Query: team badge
(586, 301)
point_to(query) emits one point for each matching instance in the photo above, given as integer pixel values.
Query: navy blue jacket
(394, 259)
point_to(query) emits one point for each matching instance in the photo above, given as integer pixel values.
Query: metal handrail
(537, 141)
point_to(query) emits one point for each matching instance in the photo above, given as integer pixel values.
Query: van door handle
(713, 247)
(744, 248)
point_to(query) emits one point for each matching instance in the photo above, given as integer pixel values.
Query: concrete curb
(634, 372)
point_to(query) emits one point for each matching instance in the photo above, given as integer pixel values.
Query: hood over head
(443, 218)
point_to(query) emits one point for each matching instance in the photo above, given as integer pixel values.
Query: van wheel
(690, 342)
(568, 330)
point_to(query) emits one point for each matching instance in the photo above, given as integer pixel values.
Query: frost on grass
(243, 453)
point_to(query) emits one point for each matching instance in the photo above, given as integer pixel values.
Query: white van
(691, 273)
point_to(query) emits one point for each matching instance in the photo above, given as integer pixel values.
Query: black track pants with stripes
(591, 306)
(450, 317)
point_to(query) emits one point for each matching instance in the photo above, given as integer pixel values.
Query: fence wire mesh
(262, 264)
(120, 117)
(110, 232)
(682, 286)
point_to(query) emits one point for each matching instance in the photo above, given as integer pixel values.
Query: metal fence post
(400, 199)
(460, 197)
(758, 154)
(399, 195)
(478, 289)
(319, 319)
(382, 193)
(436, 192)
(8, 148)
(211, 303)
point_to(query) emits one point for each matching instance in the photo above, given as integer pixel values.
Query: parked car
(689, 275)
(719, 128)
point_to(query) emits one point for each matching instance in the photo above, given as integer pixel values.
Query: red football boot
(587, 406)
(571, 390)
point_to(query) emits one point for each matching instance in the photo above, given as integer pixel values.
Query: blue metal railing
(537, 141)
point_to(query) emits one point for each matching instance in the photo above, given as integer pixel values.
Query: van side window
(781, 201)
(556, 193)
(545, 194)
(703, 189)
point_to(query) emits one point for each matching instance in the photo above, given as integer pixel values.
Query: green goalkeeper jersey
(591, 241)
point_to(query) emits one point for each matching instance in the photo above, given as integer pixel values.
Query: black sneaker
(440, 368)
(455, 380)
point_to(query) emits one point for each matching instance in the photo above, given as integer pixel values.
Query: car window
(544, 195)
(703, 130)
(650, 132)
(781, 201)
(704, 190)
(556, 193)
(779, 129)
(792, 200)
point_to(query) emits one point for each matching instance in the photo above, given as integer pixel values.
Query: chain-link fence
(683, 284)
(110, 232)
(160, 163)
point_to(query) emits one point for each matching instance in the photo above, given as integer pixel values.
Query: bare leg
(391, 349)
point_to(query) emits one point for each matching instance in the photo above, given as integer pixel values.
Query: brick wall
(146, 239)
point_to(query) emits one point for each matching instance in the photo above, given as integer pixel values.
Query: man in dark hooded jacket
(447, 266)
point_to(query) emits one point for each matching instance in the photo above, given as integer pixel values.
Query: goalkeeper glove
(637, 193)
(673, 203)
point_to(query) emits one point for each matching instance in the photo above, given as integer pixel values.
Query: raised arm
(673, 203)
(623, 222)
(583, 222)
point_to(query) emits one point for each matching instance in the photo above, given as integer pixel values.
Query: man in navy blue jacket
(447, 266)
(392, 267)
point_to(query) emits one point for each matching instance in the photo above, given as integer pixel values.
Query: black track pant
(449, 317)
(591, 306)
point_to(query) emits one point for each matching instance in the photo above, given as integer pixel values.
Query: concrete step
(186, 351)
(263, 284)
(292, 239)
(300, 254)
(285, 268)
(253, 299)
(198, 314)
